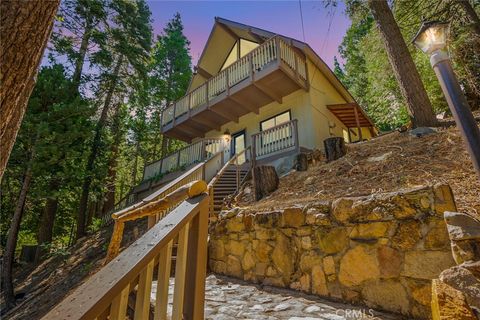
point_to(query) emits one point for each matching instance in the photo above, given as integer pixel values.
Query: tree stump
(265, 181)
(302, 162)
(334, 148)
(27, 254)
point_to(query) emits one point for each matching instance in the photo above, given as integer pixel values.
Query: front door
(238, 145)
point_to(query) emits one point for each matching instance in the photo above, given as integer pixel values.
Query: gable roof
(219, 48)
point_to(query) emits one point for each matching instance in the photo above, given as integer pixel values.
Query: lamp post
(431, 39)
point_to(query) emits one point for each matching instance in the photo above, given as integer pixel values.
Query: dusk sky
(281, 17)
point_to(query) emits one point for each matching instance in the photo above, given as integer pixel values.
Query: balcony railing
(254, 62)
(278, 139)
(180, 159)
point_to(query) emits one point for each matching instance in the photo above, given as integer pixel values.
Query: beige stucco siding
(315, 121)
(297, 102)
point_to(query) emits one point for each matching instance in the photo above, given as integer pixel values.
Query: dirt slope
(387, 163)
(49, 283)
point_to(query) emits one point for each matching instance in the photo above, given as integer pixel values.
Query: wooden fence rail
(105, 295)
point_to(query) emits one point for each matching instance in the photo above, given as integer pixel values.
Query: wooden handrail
(105, 294)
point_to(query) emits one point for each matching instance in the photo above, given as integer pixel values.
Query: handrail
(281, 138)
(106, 293)
(210, 186)
(196, 173)
(198, 154)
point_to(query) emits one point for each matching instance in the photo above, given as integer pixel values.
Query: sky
(324, 27)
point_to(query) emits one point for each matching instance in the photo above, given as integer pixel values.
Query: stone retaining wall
(381, 251)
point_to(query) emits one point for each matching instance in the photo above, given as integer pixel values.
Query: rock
(342, 209)
(305, 282)
(234, 267)
(308, 260)
(293, 217)
(381, 158)
(466, 250)
(228, 214)
(358, 265)
(408, 234)
(423, 294)
(312, 309)
(309, 181)
(462, 279)
(262, 250)
(449, 303)
(437, 236)
(283, 257)
(422, 131)
(462, 226)
(260, 269)
(306, 243)
(319, 284)
(333, 241)
(388, 295)
(389, 262)
(329, 265)
(235, 224)
(235, 247)
(218, 266)
(473, 267)
(281, 307)
(426, 264)
(217, 250)
(443, 199)
(248, 261)
(371, 230)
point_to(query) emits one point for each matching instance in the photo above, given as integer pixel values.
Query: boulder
(449, 303)
(463, 280)
(426, 264)
(387, 295)
(358, 265)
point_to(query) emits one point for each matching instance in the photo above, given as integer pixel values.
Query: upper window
(275, 121)
(239, 49)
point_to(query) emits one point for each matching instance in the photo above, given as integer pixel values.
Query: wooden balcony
(266, 74)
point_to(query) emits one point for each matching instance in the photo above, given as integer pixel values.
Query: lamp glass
(432, 38)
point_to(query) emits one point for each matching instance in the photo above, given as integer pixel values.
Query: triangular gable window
(245, 47)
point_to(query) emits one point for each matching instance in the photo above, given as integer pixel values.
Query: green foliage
(367, 72)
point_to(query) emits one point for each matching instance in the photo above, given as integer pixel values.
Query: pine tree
(171, 71)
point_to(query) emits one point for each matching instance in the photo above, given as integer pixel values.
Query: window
(275, 121)
(239, 49)
(276, 135)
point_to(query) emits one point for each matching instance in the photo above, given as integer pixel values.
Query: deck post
(174, 113)
(357, 120)
(279, 50)
(349, 135)
(295, 129)
(252, 76)
(194, 301)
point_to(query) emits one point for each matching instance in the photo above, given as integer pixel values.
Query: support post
(194, 303)
(357, 120)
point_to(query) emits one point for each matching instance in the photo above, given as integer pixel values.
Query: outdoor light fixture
(432, 39)
(227, 136)
(432, 36)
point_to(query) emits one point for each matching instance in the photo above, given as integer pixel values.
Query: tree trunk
(471, 14)
(25, 27)
(82, 209)
(45, 229)
(112, 163)
(82, 52)
(12, 237)
(408, 78)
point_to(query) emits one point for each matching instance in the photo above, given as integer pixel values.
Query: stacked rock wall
(380, 251)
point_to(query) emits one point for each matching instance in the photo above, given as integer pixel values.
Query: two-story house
(259, 90)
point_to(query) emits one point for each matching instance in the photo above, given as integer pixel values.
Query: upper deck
(267, 73)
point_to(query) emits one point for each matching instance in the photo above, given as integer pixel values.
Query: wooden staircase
(228, 183)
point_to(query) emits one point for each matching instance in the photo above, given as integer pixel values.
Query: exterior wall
(298, 104)
(315, 121)
(381, 250)
(322, 93)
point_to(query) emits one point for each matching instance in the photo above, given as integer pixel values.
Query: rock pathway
(229, 299)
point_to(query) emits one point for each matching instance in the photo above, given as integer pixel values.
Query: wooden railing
(106, 294)
(274, 49)
(238, 160)
(188, 155)
(279, 139)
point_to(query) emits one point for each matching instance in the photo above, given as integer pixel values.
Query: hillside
(387, 163)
